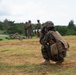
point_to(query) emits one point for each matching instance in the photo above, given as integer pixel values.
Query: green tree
(8, 26)
(71, 25)
(19, 28)
(1, 25)
(61, 29)
(71, 32)
(71, 29)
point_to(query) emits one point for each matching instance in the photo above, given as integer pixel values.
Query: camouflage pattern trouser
(46, 53)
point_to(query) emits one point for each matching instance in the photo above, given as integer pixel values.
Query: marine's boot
(60, 61)
(46, 62)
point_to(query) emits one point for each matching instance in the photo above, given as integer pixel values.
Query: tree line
(10, 27)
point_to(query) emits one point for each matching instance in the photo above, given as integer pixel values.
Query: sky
(60, 12)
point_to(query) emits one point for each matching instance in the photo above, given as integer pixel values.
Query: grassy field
(24, 58)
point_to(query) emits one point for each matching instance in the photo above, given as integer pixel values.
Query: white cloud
(59, 11)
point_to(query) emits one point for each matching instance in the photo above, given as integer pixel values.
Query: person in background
(38, 28)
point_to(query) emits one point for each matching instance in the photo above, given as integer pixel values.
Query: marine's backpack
(60, 46)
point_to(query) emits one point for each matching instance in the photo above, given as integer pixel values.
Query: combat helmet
(49, 25)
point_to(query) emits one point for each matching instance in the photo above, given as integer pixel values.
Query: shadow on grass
(31, 68)
(28, 67)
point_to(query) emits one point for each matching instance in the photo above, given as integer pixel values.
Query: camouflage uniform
(26, 29)
(29, 29)
(38, 27)
(48, 39)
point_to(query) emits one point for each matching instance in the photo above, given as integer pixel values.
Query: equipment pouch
(54, 50)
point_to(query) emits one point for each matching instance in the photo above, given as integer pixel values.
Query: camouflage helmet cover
(49, 24)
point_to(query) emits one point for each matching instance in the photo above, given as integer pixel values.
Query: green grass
(24, 58)
(3, 37)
